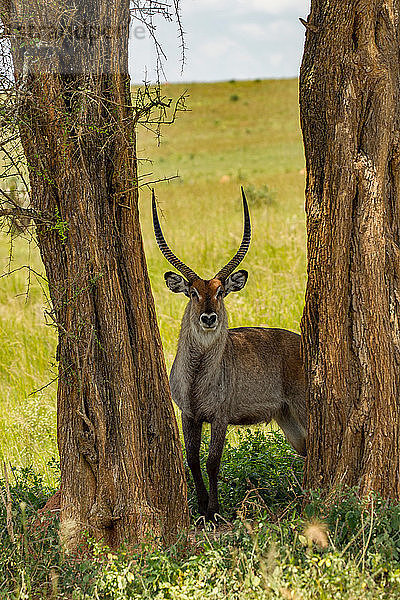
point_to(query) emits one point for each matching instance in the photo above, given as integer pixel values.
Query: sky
(224, 39)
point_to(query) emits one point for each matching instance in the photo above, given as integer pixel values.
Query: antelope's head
(206, 296)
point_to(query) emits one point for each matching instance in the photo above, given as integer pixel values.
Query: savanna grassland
(234, 133)
(278, 542)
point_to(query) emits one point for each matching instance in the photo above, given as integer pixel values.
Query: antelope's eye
(220, 293)
(194, 294)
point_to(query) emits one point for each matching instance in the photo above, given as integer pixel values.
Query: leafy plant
(260, 196)
(259, 467)
(262, 556)
(360, 524)
(60, 226)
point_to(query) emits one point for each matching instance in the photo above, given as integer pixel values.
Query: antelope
(222, 376)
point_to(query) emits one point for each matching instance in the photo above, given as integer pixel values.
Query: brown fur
(232, 376)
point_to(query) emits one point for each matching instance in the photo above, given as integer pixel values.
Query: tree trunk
(122, 474)
(350, 108)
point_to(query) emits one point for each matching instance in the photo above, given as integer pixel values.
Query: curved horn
(244, 246)
(162, 244)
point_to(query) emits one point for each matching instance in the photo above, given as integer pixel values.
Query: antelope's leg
(293, 430)
(192, 436)
(218, 434)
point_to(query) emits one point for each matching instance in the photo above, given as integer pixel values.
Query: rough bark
(350, 108)
(122, 474)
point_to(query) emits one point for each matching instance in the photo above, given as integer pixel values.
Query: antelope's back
(268, 372)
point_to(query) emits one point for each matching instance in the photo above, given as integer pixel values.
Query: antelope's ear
(236, 281)
(176, 283)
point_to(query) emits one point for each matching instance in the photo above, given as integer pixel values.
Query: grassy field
(285, 543)
(235, 133)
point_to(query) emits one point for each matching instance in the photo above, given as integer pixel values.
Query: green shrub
(261, 561)
(35, 563)
(360, 524)
(259, 196)
(267, 554)
(259, 467)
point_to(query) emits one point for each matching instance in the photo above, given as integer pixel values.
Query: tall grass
(220, 144)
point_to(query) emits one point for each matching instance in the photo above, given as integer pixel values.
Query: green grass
(272, 551)
(243, 133)
(220, 144)
(236, 134)
(27, 349)
(215, 148)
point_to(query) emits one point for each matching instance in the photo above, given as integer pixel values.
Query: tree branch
(18, 212)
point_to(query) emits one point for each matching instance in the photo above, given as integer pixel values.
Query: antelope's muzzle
(208, 321)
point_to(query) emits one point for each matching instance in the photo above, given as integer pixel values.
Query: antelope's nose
(209, 320)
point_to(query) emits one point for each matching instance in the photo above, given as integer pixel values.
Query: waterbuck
(227, 376)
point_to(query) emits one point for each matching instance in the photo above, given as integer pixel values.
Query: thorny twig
(149, 183)
(46, 385)
(24, 267)
(25, 213)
